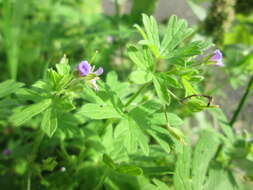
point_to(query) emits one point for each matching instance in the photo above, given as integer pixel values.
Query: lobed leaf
(49, 122)
(96, 111)
(23, 115)
(9, 86)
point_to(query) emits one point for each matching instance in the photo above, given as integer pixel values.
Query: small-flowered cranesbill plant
(117, 130)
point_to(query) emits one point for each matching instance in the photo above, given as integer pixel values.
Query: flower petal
(99, 71)
(220, 64)
(94, 84)
(84, 68)
(217, 56)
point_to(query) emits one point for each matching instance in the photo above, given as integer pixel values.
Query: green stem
(242, 102)
(173, 95)
(36, 145)
(116, 4)
(37, 142)
(64, 151)
(29, 182)
(136, 94)
(102, 179)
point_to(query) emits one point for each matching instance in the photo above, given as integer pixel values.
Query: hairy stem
(242, 101)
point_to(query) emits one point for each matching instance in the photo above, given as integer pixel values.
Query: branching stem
(242, 101)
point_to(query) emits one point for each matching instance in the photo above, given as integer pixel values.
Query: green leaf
(151, 29)
(220, 178)
(161, 90)
(129, 170)
(151, 35)
(23, 115)
(176, 133)
(160, 119)
(141, 57)
(199, 11)
(160, 185)
(169, 80)
(49, 122)
(204, 152)
(8, 87)
(96, 111)
(176, 32)
(190, 49)
(159, 138)
(189, 90)
(125, 133)
(219, 115)
(63, 67)
(182, 177)
(139, 136)
(108, 161)
(49, 164)
(140, 77)
(132, 135)
(136, 56)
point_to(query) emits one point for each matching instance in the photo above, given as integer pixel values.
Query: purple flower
(6, 152)
(217, 58)
(109, 39)
(99, 71)
(85, 70)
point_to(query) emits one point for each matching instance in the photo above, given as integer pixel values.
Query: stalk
(37, 142)
(136, 94)
(242, 101)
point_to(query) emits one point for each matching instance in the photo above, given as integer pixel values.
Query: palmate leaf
(189, 90)
(132, 131)
(126, 135)
(160, 138)
(25, 114)
(159, 119)
(220, 178)
(63, 68)
(205, 150)
(151, 29)
(190, 49)
(161, 89)
(151, 35)
(141, 57)
(140, 137)
(182, 177)
(140, 77)
(177, 31)
(96, 111)
(191, 171)
(120, 88)
(8, 87)
(49, 122)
